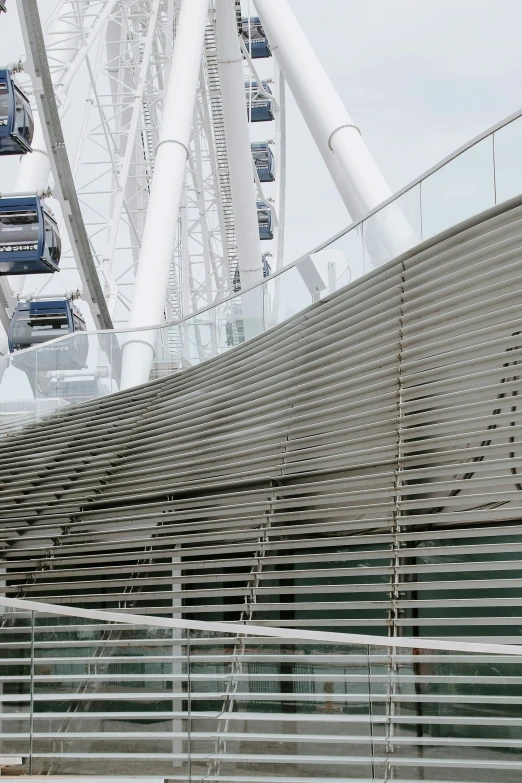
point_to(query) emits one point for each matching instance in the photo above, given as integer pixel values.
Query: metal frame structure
(355, 465)
(120, 56)
(357, 227)
(246, 629)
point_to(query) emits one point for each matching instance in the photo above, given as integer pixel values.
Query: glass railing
(95, 696)
(488, 171)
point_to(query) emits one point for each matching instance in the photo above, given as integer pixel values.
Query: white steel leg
(159, 235)
(356, 174)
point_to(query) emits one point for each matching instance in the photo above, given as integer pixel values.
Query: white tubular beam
(159, 234)
(86, 45)
(355, 173)
(330, 124)
(230, 63)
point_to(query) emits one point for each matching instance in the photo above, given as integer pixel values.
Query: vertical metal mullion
(392, 627)
(494, 168)
(31, 699)
(189, 707)
(370, 711)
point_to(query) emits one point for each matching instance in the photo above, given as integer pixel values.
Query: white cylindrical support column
(358, 178)
(159, 234)
(231, 78)
(330, 124)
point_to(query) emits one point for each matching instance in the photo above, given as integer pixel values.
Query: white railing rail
(324, 245)
(239, 629)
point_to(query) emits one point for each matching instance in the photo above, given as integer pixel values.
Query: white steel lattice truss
(109, 61)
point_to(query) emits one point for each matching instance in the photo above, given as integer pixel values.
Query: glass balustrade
(92, 697)
(37, 382)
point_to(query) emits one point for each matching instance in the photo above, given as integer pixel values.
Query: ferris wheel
(151, 137)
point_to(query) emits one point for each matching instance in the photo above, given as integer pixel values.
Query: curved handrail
(392, 199)
(240, 629)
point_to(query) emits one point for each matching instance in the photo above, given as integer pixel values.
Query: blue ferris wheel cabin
(263, 161)
(16, 117)
(264, 220)
(254, 38)
(259, 105)
(37, 322)
(29, 238)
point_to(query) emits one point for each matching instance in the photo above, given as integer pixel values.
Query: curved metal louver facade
(357, 468)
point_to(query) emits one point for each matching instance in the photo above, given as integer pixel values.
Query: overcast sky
(419, 77)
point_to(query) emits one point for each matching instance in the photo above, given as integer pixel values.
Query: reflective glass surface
(19, 228)
(462, 188)
(87, 697)
(4, 103)
(508, 160)
(285, 295)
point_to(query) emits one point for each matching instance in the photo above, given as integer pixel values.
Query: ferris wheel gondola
(29, 238)
(16, 117)
(264, 220)
(254, 38)
(38, 322)
(263, 161)
(259, 105)
(161, 230)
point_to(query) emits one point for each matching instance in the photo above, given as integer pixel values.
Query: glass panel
(112, 348)
(38, 327)
(351, 246)
(252, 307)
(199, 338)
(285, 295)
(29, 122)
(167, 352)
(100, 363)
(69, 371)
(19, 114)
(19, 228)
(460, 189)
(81, 696)
(252, 30)
(332, 267)
(228, 330)
(439, 715)
(260, 158)
(15, 690)
(392, 230)
(508, 160)
(278, 709)
(230, 322)
(18, 390)
(49, 238)
(109, 699)
(53, 242)
(4, 103)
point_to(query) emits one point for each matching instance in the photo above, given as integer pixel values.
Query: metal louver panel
(357, 468)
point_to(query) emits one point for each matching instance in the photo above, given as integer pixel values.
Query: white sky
(419, 77)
